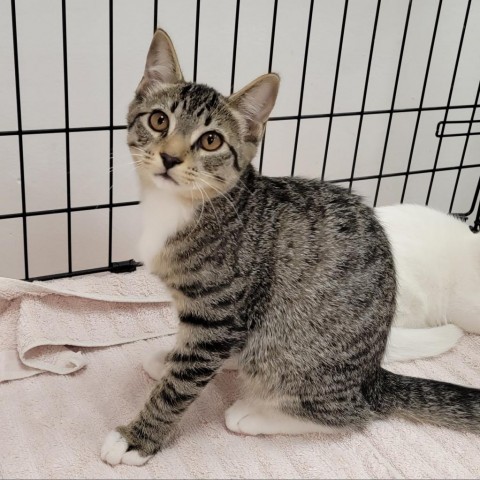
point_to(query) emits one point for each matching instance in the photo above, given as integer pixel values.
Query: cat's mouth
(167, 177)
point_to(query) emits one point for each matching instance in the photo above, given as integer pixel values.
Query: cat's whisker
(140, 149)
(223, 195)
(222, 180)
(191, 195)
(203, 204)
(114, 168)
(123, 165)
(126, 164)
(214, 211)
(204, 174)
(214, 177)
(113, 157)
(244, 186)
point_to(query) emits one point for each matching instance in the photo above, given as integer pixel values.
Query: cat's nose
(169, 161)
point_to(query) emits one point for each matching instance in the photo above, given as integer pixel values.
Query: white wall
(39, 29)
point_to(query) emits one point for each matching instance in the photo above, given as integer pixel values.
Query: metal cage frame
(130, 265)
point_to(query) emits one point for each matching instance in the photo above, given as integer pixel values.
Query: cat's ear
(255, 101)
(162, 62)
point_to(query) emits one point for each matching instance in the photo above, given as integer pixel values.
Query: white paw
(154, 365)
(114, 451)
(235, 415)
(252, 424)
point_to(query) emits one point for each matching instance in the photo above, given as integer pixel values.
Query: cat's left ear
(256, 101)
(162, 62)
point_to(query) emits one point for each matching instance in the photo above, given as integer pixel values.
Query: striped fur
(293, 275)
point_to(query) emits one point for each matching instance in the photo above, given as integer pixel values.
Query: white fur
(164, 213)
(437, 259)
(254, 418)
(154, 364)
(412, 343)
(114, 451)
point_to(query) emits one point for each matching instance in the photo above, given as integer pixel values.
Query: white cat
(437, 259)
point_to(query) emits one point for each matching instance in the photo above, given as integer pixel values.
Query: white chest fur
(164, 213)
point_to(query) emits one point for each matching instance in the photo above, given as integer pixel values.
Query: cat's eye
(211, 141)
(158, 121)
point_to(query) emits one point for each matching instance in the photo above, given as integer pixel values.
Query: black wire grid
(441, 132)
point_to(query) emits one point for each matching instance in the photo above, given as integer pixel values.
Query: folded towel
(41, 321)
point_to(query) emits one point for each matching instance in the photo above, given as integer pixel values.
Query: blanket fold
(43, 324)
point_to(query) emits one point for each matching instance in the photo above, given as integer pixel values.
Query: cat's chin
(166, 183)
(184, 192)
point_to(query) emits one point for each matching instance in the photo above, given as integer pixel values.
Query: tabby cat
(293, 276)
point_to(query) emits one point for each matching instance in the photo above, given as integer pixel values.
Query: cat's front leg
(199, 353)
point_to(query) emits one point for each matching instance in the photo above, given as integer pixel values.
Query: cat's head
(188, 138)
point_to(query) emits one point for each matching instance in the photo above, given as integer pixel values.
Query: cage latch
(125, 266)
(458, 128)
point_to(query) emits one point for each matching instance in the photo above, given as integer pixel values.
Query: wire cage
(380, 96)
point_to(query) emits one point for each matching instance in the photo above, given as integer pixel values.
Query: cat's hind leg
(154, 364)
(255, 418)
(231, 363)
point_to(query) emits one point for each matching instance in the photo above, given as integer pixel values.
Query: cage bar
(365, 91)
(394, 97)
(334, 93)
(67, 134)
(270, 62)
(106, 128)
(110, 176)
(444, 129)
(197, 32)
(234, 55)
(449, 100)
(422, 98)
(20, 136)
(302, 87)
(464, 150)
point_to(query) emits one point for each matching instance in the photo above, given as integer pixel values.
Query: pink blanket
(53, 426)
